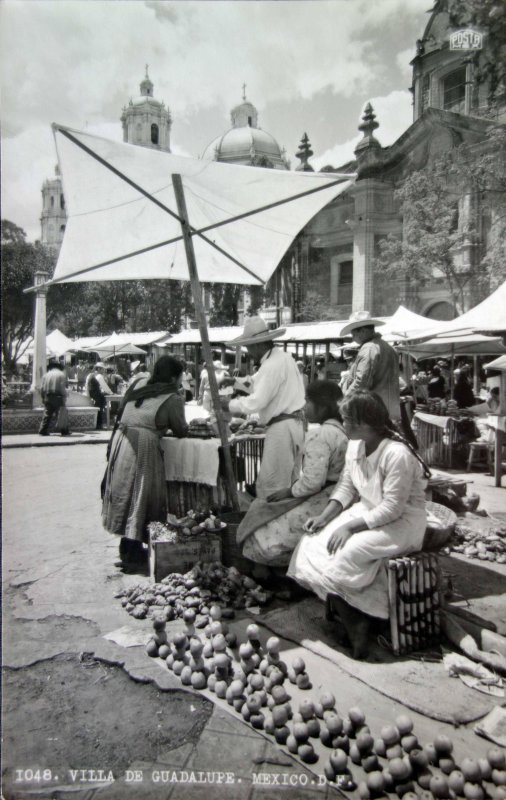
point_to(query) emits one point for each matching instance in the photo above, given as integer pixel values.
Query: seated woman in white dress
(376, 512)
(271, 529)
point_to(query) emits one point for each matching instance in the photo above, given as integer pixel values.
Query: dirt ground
(89, 713)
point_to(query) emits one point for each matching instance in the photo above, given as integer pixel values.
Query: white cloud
(394, 114)
(79, 62)
(403, 61)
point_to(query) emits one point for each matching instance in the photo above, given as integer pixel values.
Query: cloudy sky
(309, 65)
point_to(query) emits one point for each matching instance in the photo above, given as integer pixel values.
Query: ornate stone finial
(304, 153)
(368, 125)
(244, 91)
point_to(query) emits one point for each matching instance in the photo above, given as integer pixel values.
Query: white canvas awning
(129, 229)
(487, 317)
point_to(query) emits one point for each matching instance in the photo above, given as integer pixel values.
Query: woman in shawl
(272, 528)
(135, 491)
(376, 512)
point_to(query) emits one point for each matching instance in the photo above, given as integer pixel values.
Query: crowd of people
(340, 486)
(331, 502)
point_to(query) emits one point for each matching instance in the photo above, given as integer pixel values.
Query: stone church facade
(333, 258)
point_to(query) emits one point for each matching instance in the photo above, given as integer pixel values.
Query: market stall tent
(135, 213)
(488, 317)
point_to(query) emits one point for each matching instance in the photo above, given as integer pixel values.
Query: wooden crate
(414, 595)
(167, 557)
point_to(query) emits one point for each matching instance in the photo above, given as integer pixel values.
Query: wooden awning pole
(204, 337)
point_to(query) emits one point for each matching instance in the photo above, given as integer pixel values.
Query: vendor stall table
(437, 437)
(194, 470)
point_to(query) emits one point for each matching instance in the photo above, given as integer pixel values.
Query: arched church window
(52, 201)
(154, 133)
(62, 228)
(454, 91)
(62, 202)
(250, 121)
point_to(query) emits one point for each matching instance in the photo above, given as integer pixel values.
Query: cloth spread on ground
(191, 460)
(421, 685)
(493, 726)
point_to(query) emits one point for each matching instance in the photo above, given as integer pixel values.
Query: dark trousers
(99, 402)
(52, 404)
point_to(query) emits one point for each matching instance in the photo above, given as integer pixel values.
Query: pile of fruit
(200, 429)
(393, 762)
(484, 539)
(198, 589)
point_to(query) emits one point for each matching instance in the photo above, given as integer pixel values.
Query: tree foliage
(432, 232)
(20, 261)
(225, 299)
(314, 308)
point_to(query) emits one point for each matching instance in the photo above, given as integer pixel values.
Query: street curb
(20, 445)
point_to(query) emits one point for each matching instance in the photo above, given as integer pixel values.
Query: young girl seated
(376, 512)
(272, 528)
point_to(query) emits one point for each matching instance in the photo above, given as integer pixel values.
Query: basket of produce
(196, 522)
(441, 523)
(176, 546)
(200, 429)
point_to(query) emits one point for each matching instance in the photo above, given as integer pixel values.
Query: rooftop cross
(244, 91)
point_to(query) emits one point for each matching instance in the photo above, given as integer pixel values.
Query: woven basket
(231, 552)
(437, 536)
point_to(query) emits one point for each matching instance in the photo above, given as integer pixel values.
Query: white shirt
(277, 388)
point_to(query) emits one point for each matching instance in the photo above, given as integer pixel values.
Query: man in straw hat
(376, 366)
(278, 399)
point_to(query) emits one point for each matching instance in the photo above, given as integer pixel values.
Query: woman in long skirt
(376, 512)
(135, 488)
(272, 528)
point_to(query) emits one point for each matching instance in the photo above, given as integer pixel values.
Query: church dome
(245, 142)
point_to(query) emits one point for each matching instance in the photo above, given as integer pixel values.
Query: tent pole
(204, 337)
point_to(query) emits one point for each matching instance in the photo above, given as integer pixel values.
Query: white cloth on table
(191, 460)
(277, 388)
(386, 489)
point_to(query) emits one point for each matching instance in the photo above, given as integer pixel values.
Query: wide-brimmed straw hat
(360, 319)
(219, 365)
(255, 332)
(100, 365)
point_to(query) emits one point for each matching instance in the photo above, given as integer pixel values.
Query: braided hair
(367, 408)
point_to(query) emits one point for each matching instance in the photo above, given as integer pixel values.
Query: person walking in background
(187, 378)
(138, 370)
(463, 391)
(97, 390)
(113, 379)
(278, 399)
(436, 386)
(54, 392)
(134, 488)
